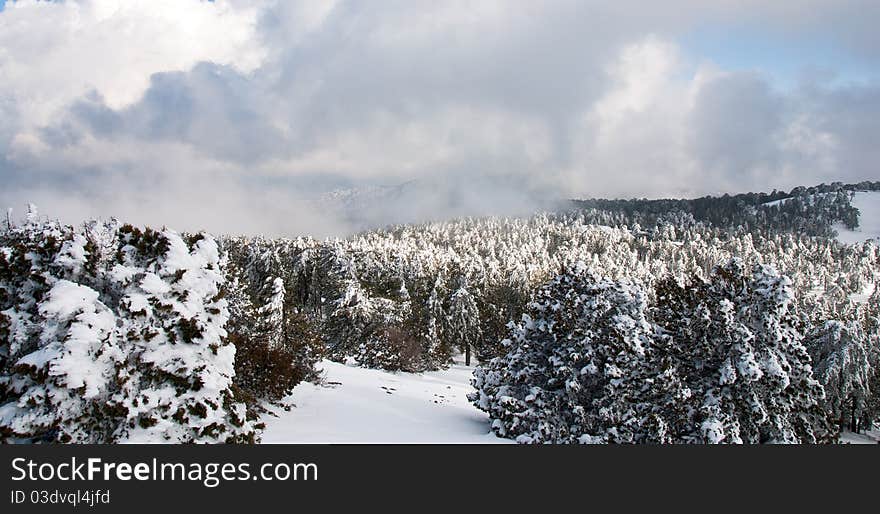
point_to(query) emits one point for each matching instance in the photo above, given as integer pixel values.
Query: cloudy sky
(232, 115)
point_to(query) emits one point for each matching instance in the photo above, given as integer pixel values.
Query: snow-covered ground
(360, 405)
(864, 295)
(868, 437)
(868, 204)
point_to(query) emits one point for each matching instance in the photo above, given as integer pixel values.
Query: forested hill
(809, 210)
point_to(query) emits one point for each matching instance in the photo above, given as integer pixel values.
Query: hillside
(868, 204)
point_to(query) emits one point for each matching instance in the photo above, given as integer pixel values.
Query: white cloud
(665, 127)
(225, 114)
(631, 142)
(52, 53)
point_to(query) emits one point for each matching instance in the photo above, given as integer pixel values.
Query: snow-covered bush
(58, 341)
(60, 389)
(177, 383)
(112, 333)
(392, 349)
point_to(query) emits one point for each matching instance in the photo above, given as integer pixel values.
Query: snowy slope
(776, 202)
(868, 204)
(784, 200)
(370, 406)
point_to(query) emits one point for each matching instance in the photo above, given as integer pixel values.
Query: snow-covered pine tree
(736, 347)
(269, 323)
(352, 321)
(573, 364)
(242, 311)
(264, 365)
(463, 320)
(872, 331)
(273, 323)
(438, 350)
(306, 348)
(499, 304)
(843, 364)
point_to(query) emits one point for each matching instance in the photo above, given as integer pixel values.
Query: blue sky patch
(787, 58)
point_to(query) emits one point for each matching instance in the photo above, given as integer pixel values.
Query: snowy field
(358, 405)
(868, 204)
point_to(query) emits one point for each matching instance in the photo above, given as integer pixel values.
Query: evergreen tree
(439, 350)
(269, 325)
(352, 321)
(844, 366)
(737, 349)
(463, 321)
(572, 366)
